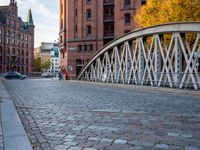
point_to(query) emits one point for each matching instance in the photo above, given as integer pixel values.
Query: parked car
(14, 75)
(46, 75)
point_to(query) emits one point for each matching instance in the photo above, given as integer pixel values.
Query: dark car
(46, 75)
(14, 75)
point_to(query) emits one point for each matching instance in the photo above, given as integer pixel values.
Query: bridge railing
(165, 55)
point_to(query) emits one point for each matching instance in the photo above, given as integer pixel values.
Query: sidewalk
(12, 133)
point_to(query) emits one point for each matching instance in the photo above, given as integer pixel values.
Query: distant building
(87, 25)
(37, 52)
(48, 52)
(16, 40)
(55, 61)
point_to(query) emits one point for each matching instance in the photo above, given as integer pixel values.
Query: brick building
(87, 25)
(16, 40)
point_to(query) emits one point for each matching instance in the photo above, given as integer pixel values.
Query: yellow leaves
(165, 11)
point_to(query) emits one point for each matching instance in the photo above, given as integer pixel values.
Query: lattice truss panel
(170, 60)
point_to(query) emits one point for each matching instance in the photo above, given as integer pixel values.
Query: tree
(37, 64)
(164, 11)
(46, 65)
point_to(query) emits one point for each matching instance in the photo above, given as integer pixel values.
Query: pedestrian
(60, 76)
(66, 75)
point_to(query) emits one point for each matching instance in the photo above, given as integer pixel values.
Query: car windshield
(17, 73)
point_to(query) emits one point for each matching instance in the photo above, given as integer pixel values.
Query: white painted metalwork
(165, 55)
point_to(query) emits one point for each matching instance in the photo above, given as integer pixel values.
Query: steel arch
(164, 55)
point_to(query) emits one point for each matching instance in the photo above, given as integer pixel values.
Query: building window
(78, 62)
(88, 1)
(0, 40)
(109, 29)
(85, 47)
(22, 61)
(0, 50)
(22, 52)
(13, 23)
(13, 42)
(8, 50)
(7, 33)
(127, 3)
(79, 48)
(88, 14)
(0, 31)
(7, 41)
(88, 30)
(18, 60)
(13, 51)
(8, 22)
(8, 60)
(91, 47)
(18, 43)
(76, 12)
(127, 18)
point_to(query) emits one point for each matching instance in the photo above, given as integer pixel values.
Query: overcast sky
(45, 17)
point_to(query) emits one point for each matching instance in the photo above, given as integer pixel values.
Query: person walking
(60, 75)
(66, 75)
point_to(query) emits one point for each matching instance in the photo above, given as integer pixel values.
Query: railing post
(178, 61)
(141, 61)
(157, 59)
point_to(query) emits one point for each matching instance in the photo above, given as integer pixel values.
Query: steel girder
(166, 55)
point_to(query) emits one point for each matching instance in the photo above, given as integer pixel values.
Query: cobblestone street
(86, 116)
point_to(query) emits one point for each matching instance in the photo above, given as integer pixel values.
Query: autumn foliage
(164, 11)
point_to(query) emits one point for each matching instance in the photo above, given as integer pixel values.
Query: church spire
(30, 18)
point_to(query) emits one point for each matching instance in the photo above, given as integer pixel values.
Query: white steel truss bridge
(166, 55)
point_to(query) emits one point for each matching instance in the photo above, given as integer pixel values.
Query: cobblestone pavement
(84, 116)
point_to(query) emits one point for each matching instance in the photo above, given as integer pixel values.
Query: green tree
(164, 11)
(37, 64)
(46, 65)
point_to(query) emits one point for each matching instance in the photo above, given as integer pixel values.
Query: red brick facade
(16, 40)
(87, 25)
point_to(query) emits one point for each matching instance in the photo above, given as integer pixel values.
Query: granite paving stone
(120, 141)
(163, 146)
(106, 140)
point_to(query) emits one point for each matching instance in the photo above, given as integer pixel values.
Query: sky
(45, 15)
